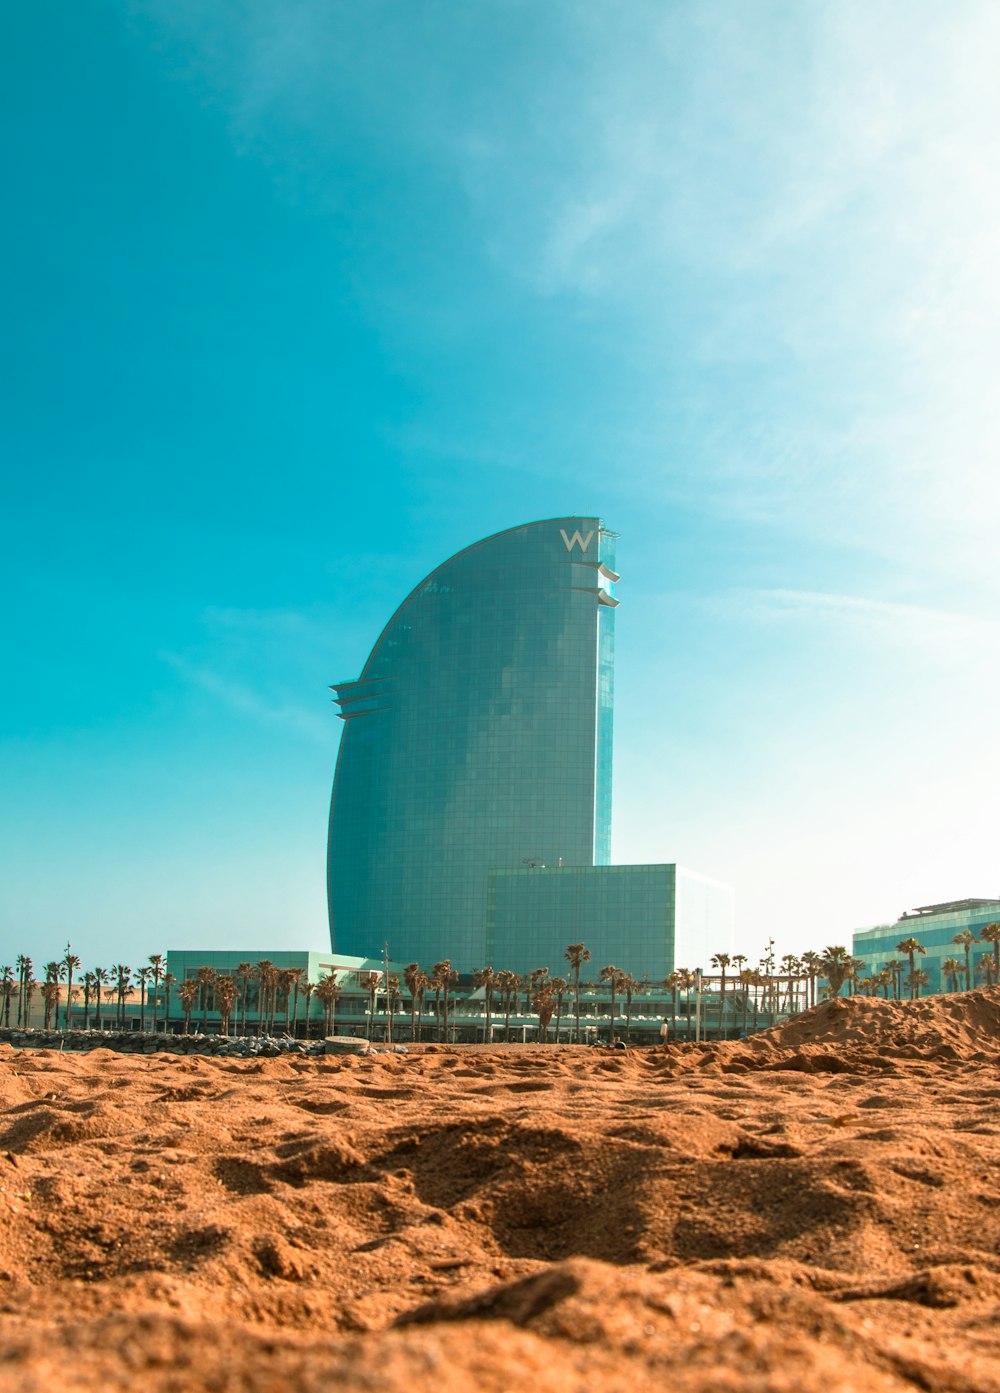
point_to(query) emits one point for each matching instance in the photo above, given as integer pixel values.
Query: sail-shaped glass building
(477, 737)
(477, 743)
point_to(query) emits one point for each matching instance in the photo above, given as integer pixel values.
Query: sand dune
(813, 1208)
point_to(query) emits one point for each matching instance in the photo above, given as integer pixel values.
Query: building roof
(948, 907)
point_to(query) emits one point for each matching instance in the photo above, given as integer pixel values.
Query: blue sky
(302, 297)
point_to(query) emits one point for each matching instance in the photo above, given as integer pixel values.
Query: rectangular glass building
(935, 927)
(646, 920)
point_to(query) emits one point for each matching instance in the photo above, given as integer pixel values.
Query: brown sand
(814, 1209)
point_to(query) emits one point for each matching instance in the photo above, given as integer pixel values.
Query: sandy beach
(816, 1208)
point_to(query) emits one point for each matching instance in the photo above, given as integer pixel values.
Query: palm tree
(123, 987)
(612, 976)
(284, 983)
(158, 964)
(307, 991)
(985, 967)
(7, 985)
(295, 977)
(328, 991)
(143, 974)
(534, 985)
(990, 933)
(966, 939)
(917, 979)
(68, 965)
(25, 968)
(29, 991)
(766, 968)
(243, 973)
(543, 1002)
(559, 987)
(447, 976)
(486, 979)
(206, 977)
(895, 969)
(89, 983)
(50, 995)
(536, 977)
(226, 992)
(835, 964)
(265, 972)
(289, 979)
(721, 961)
(791, 966)
(416, 984)
(950, 968)
(910, 946)
(51, 999)
(102, 978)
(856, 968)
(576, 955)
(188, 993)
(811, 964)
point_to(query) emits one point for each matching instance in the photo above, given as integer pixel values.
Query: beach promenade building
(935, 927)
(644, 919)
(471, 808)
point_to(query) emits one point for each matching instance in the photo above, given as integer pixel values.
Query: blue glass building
(477, 737)
(935, 928)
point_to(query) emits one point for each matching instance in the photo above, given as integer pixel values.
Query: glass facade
(644, 919)
(624, 914)
(478, 737)
(934, 927)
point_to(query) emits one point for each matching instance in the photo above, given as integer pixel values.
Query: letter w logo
(577, 539)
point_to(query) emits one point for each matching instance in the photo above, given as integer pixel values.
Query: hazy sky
(302, 296)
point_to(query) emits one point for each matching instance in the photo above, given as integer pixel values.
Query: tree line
(277, 993)
(103, 993)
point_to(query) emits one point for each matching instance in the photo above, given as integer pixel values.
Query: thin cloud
(785, 215)
(890, 618)
(236, 696)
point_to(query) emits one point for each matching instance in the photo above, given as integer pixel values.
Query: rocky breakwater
(150, 1042)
